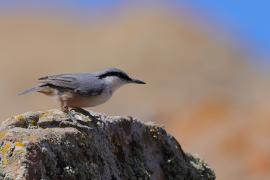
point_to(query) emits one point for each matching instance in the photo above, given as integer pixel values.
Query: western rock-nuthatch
(83, 89)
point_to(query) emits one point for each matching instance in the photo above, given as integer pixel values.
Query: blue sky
(247, 19)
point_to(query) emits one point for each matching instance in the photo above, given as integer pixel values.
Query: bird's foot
(85, 113)
(74, 121)
(65, 109)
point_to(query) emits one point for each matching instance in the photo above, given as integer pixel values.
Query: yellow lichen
(19, 147)
(44, 115)
(20, 117)
(19, 144)
(5, 162)
(32, 138)
(5, 149)
(32, 123)
(2, 134)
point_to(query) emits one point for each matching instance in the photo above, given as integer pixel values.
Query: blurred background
(206, 65)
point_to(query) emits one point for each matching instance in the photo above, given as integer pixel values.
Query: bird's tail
(33, 89)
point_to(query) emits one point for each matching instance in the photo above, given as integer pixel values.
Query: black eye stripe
(118, 74)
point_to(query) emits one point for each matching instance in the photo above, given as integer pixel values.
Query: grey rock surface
(53, 145)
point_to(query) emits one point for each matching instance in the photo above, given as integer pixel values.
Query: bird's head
(116, 78)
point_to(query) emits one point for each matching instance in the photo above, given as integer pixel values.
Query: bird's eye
(126, 77)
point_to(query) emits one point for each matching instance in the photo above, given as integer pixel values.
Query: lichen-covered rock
(54, 145)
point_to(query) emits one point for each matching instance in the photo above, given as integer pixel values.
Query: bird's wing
(64, 81)
(82, 84)
(90, 86)
(93, 91)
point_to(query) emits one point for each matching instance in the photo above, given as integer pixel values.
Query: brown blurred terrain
(199, 85)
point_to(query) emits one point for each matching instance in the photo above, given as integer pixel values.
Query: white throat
(113, 82)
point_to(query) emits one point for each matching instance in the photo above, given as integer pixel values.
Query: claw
(88, 114)
(71, 116)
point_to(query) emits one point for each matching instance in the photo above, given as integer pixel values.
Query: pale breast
(87, 101)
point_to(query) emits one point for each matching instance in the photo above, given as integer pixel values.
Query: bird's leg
(66, 110)
(71, 115)
(64, 106)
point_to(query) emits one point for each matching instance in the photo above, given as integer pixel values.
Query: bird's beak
(136, 81)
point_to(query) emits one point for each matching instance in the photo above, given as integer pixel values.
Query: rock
(54, 145)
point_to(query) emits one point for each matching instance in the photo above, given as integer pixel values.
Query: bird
(83, 90)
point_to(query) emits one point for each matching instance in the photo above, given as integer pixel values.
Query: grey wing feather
(60, 81)
(89, 92)
(52, 76)
(83, 84)
(33, 89)
(91, 87)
